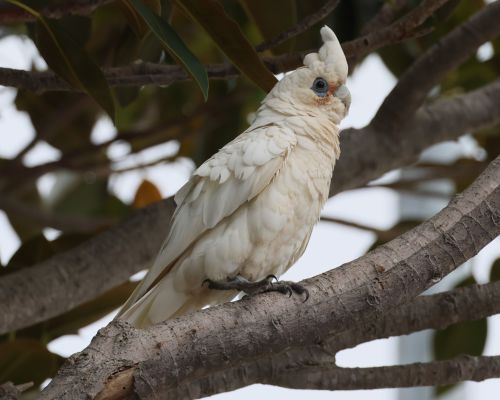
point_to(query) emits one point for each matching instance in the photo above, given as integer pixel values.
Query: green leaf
(495, 271)
(67, 58)
(24, 226)
(173, 44)
(135, 21)
(462, 338)
(91, 199)
(27, 360)
(263, 13)
(34, 250)
(65, 118)
(228, 36)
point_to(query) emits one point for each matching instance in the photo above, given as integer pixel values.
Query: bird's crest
(330, 56)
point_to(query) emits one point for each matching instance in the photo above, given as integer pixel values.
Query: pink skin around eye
(332, 88)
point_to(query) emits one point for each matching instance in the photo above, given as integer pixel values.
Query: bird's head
(318, 88)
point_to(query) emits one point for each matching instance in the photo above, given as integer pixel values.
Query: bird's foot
(251, 288)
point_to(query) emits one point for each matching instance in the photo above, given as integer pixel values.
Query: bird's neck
(315, 127)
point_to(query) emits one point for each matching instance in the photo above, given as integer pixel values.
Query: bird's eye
(320, 87)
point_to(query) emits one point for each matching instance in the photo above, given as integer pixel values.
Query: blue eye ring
(320, 87)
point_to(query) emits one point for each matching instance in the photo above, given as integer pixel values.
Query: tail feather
(163, 301)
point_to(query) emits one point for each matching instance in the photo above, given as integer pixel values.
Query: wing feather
(231, 177)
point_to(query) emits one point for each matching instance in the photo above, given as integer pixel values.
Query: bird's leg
(251, 288)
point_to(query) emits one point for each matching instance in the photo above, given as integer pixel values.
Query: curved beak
(343, 94)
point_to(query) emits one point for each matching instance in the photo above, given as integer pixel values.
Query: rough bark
(177, 357)
(425, 312)
(434, 373)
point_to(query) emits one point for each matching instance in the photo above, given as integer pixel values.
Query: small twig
(385, 16)
(349, 224)
(177, 128)
(107, 170)
(12, 15)
(328, 377)
(427, 71)
(404, 28)
(300, 27)
(10, 391)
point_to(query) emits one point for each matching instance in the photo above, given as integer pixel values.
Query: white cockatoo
(247, 213)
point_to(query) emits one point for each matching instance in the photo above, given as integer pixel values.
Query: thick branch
(10, 14)
(65, 281)
(425, 312)
(437, 311)
(81, 274)
(451, 51)
(435, 373)
(169, 358)
(443, 120)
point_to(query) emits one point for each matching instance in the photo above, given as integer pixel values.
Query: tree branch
(424, 312)
(81, 274)
(440, 121)
(435, 373)
(65, 281)
(161, 74)
(171, 358)
(302, 26)
(9, 391)
(426, 72)
(13, 15)
(437, 311)
(404, 28)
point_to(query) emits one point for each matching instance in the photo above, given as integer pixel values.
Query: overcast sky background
(331, 245)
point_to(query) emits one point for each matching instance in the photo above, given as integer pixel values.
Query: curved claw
(271, 277)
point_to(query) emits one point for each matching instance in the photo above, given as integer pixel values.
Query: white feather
(250, 208)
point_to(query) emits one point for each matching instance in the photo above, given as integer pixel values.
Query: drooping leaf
(495, 271)
(173, 44)
(27, 360)
(228, 36)
(463, 338)
(263, 13)
(92, 199)
(67, 58)
(22, 224)
(34, 250)
(64, 119)
(147, 193)
(134, 18)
